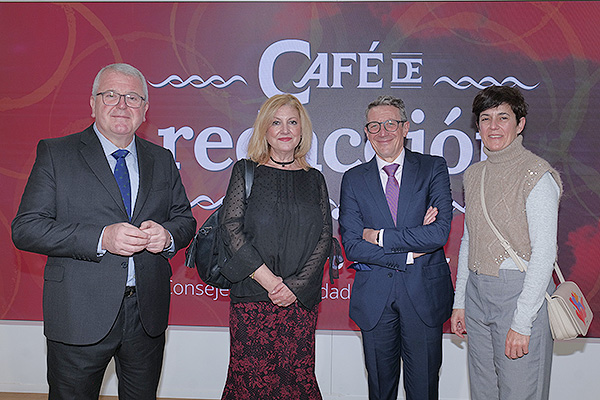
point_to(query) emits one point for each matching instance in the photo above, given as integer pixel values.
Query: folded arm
(430, 237)
(352, 226)
(419, 238)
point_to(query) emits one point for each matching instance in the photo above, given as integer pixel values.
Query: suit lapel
(407, 184)
(375, 189)
(146, 168)
(93, 154)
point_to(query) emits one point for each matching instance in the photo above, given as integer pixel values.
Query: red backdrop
(211, 65)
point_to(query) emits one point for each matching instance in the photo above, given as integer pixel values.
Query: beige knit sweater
(511, 173)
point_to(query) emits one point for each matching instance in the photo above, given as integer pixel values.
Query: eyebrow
(284, 119)
(489, 114)
(116, 91)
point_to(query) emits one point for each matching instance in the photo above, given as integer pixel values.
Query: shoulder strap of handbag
(249, 176)
(505, 243)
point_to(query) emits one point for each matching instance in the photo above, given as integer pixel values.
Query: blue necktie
(122, 177)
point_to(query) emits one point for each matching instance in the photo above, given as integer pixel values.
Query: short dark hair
(388, 101)
(493, 96)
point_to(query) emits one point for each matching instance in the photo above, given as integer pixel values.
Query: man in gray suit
(108, 209)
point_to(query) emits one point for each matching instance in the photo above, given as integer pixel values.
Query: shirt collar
(399, 160)
(109, 147)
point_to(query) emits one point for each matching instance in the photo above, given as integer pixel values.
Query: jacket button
(390, 274)
(124, 264)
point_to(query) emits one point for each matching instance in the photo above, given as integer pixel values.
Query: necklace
(283, 164)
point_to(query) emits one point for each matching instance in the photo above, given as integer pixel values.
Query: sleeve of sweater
(542, 217)
(463, 270)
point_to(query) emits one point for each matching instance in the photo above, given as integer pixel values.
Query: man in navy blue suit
(395, 214)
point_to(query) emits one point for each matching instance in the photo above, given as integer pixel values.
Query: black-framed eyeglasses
(391, 125)
(112, 98)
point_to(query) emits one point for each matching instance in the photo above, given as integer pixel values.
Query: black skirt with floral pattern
(272, 353)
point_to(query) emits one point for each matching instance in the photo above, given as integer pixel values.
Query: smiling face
(284, 133)
(498, 127)
(118, 123)
(388, 145)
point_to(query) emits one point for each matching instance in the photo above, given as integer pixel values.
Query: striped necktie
(392, 189)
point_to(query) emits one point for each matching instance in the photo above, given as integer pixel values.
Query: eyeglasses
(391, 125)
(112, 98)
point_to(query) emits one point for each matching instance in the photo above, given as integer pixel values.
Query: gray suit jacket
(71, 195)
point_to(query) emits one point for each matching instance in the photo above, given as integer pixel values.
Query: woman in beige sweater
(503, 309)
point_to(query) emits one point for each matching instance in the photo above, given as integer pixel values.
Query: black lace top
(285, 224)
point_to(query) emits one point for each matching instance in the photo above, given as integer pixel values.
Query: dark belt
(129, 291)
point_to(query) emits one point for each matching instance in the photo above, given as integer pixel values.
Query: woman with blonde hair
(279, 239)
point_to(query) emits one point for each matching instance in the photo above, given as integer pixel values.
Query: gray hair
(388, 101)
(125, 69)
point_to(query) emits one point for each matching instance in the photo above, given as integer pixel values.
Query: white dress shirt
(134, 180)
(384, 178)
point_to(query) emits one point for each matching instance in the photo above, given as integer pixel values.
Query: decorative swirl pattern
(466, 82)
(204, 198)
(173, 79)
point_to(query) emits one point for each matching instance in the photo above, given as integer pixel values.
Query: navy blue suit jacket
(425, 182)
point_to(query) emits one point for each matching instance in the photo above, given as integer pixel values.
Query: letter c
(266, 66)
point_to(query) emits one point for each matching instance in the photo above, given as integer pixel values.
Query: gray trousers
(489, 307)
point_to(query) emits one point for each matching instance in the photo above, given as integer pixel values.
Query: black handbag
(207, 252)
